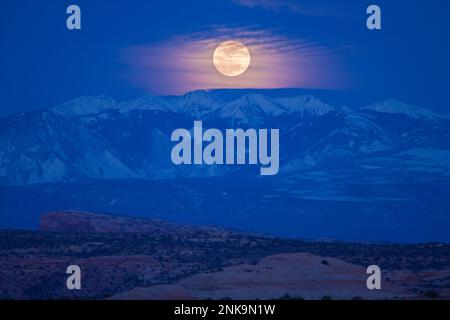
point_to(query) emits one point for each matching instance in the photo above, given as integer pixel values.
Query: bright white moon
(231, 58)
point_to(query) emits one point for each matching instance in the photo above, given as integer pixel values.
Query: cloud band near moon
(185, 62)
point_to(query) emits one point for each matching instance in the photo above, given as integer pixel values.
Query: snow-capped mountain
(48, 146)
(397, 107)
(305, 105)
(197, 104)
(251, 109)
(94, 105)
(101, 138)
(84, 106)
(147, 102)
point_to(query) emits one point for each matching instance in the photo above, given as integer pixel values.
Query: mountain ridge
(100, 103)
(98, 137)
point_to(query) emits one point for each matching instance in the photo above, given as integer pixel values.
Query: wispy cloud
(184, 62)
(290, 5)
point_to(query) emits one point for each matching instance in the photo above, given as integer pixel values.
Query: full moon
(231, 58)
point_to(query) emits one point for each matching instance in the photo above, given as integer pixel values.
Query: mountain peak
(257, 101)
(86, 105)
(394, 106)
(147, 102)
(197, 103)
(305, 105)
(200, 96)
(199, 93)
(254, 98)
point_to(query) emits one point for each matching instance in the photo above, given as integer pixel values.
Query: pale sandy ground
(298, 275)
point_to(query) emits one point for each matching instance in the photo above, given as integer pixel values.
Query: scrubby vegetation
(32, 264)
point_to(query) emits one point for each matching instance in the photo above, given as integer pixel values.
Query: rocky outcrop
(294, 275)
(90, 222)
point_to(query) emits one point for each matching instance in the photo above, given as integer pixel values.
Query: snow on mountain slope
(197, 104)
(84, 106)
(305, 105)
(251, 108)
(97, 137)
(147, 102)
(94, 105)
(49, 147)
(433, 158)
(359, 135)
(397, 107)
(333, 137)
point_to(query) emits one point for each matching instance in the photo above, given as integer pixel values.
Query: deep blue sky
(43, 64)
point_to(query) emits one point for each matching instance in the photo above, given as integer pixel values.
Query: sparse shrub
(287, 296)
(325, 262)
(327, 298)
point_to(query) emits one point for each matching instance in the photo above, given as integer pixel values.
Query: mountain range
(101, 138)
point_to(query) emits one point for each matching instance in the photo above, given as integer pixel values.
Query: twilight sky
(127, 48)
